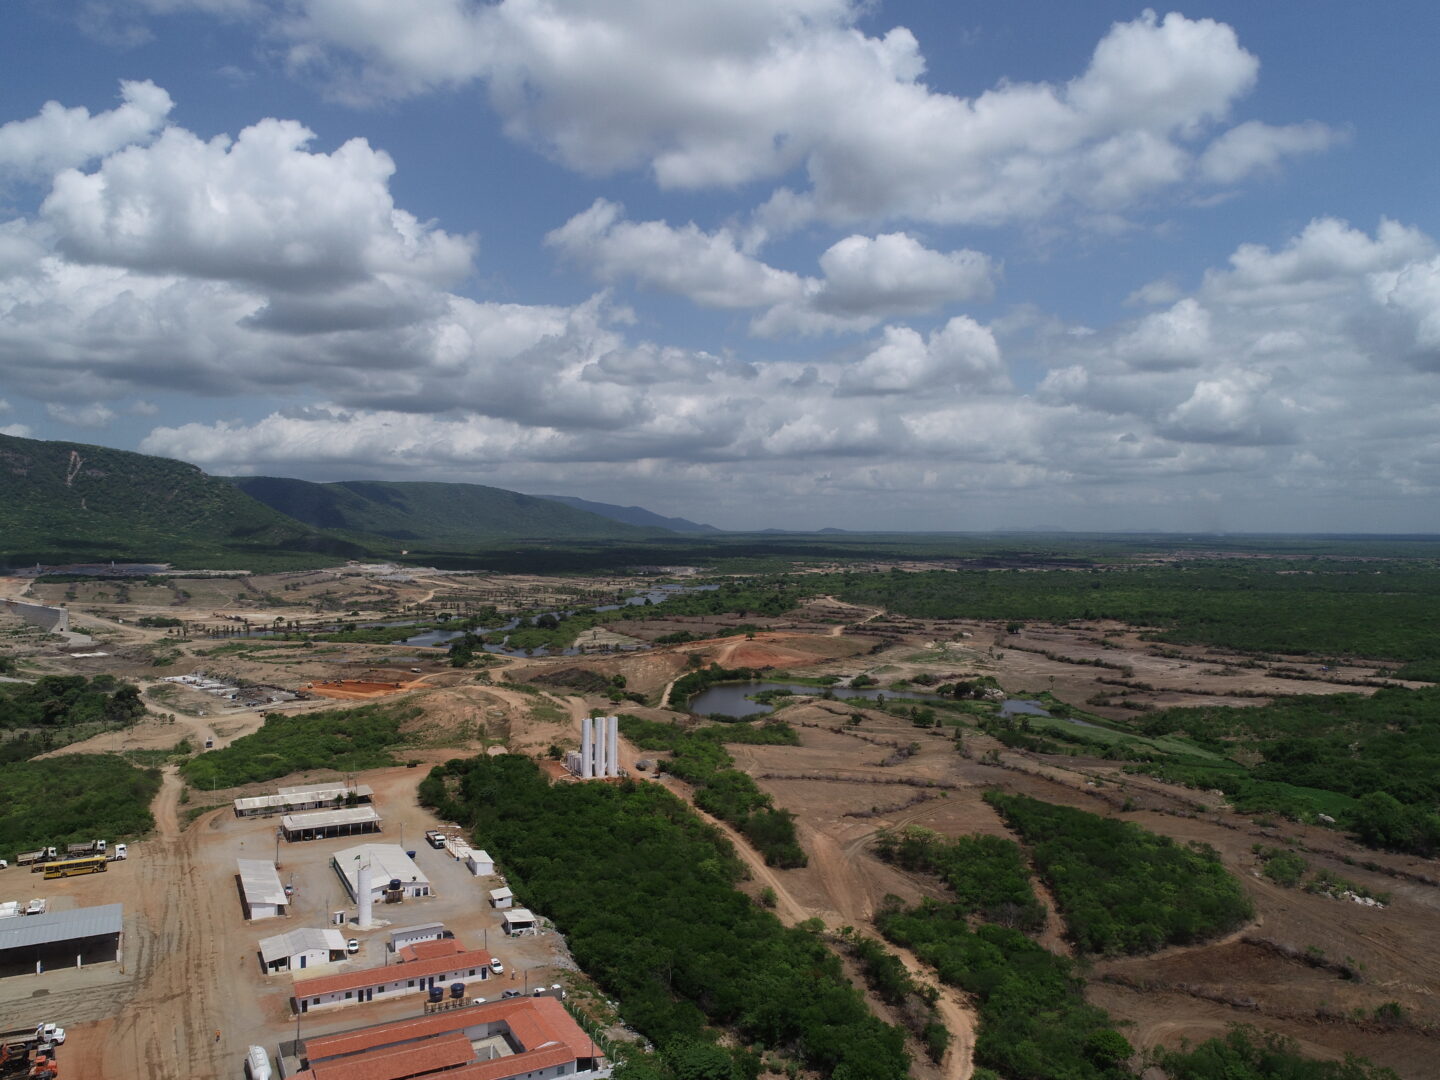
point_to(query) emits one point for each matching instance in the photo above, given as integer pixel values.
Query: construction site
(194, 991)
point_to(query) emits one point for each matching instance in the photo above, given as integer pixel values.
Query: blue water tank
(411, 854)
(457, 990)
(437, 993)
(394, 884)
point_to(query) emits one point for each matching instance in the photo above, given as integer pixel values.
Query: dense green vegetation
(699, 758)
(987, 874)
(1372, 763)
(1121, 888)
(73, 798)
(1376, 610)
(69, 502)
(892, 983)
(644, 892)
(345, 740)
(56, 710)
(1034, 1022)
(55, 701)
(558, 630)
(1248, 1054)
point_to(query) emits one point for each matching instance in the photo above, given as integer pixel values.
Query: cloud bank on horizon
(741, 262)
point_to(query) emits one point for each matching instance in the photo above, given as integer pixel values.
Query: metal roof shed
(319, 824)
(77, 937)
(259, 883)
(520, 921)
(502, 897)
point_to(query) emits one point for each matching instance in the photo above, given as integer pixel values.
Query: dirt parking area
(191, 965)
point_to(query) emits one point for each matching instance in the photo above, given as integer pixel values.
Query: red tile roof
(399, 1062)
(544, 1030)
(425, 950)
(358, 980)
(503, 1067)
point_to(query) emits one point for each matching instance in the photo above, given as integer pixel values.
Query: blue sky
(788, 263)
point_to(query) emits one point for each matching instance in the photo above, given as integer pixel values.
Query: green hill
(70, 502)
(430, 516)
(632, 515)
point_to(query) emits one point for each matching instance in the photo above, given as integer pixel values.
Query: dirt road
(165, 1025)
(955, 1013)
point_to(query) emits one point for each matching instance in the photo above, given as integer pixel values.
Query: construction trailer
(306, 947)
(413, 935)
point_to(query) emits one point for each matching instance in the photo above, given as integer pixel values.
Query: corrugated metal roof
(305, 789)
(31, 930)
(302, 796)
(324, 819)
(294, 942)
(387, 861)
(260, 882)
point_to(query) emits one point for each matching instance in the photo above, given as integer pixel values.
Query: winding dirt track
(955, 1013)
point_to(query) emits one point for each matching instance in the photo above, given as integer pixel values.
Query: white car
(497, 967)
(352, 946)
(3, 864)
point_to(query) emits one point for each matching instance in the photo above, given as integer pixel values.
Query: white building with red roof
(530, 1038)
(449, 963)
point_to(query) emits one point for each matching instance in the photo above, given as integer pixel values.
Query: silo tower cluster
(599, 753)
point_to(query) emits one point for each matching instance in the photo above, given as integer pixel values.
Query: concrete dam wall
(53, 620)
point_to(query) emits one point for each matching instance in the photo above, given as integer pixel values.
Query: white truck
(41, 1035)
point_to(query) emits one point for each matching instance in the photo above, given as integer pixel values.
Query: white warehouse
(260, 885)
(388, 863)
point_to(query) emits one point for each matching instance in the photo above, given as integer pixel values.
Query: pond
(733, 699)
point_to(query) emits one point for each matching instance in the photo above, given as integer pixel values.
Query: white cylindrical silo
(600, 746)
(587, 748)
(364, 900)
(612, 756)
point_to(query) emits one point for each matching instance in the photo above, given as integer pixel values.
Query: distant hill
(71, 502)
(632, 515)
(430, 515)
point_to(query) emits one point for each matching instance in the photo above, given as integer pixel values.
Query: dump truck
(79, 851)
(39, 855)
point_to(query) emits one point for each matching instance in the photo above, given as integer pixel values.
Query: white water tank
(364, 898)
(257, 1061)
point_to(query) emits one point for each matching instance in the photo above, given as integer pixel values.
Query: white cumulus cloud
(59, 138)
(865, 279)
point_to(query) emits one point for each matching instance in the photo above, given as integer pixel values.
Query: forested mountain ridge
(424, 514)
(632, 515)
(72, 502)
